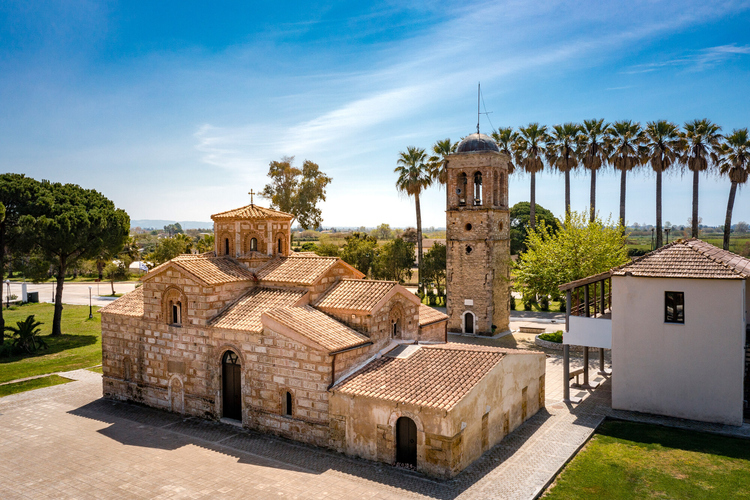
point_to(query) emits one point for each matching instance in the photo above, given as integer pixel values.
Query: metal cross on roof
(251, 196)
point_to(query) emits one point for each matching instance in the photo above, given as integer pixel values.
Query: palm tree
(413, 177)
(505, 138)
(563, 147)
(595, 153)
(529, 150)
(626, 139)
(735, 163)
(665, 144)
(704, 141)
(437, 162)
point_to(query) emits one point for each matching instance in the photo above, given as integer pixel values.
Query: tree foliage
(167, 249)
(297, 191)
(580, 248)
(25, 335)
(520, 214)
(394, 261)
(71, 224)
(434, 267)
(360, 252)
(382, 232)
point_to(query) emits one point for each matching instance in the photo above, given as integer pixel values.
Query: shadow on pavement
(136, 425)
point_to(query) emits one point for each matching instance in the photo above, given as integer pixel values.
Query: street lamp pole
(91, 316)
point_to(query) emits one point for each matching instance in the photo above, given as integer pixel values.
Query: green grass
(80, 346)
(626, 460)
(554, 306)
(552, 337)
(34, 383)
(96, 369)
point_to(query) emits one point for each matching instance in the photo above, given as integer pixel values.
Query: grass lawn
(80, 346)
(626, 460)
(34, 383)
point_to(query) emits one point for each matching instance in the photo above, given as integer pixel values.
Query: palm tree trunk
(623, 179)
(419, 240)
(659, 239)
(728, 220)
(57, 318)
(567, 193)
(694, 228)
(532, 211)
(593, 195)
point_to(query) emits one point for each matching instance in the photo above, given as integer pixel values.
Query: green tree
(529, 151)
(17, 192)
(173, 229)
(434, 267)
(325, 248)
(703, 145)
(438, 162)
(382, 232)
(626, 145)
(116, 272)
(167, 249)
(506, 138)
(563, 147)
(413, 178)
(579, 249)
(594, 154)
(394, 261)
(359, 251)
(205, 243)
(74, 224)
(296, 191)
(664, 147)
(520, 213)
(735, 164)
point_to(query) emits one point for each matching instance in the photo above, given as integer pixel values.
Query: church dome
(477, 143)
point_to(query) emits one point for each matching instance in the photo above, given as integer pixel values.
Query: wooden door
(232, 388)
(406, 442)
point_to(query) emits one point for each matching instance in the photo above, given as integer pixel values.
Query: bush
(556, 337)
(25, 335)
(512, 303)
(637, 252)
(563, 304)
(544, 304)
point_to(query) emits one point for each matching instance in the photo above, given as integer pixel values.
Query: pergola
(587, 323)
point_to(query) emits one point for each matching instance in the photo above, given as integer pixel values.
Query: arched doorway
(468, 322)
(232, 388)
(406, 442)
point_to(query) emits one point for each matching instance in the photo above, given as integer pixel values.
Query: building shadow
(136, 425)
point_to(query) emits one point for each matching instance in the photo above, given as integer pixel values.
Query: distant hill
(159, 224)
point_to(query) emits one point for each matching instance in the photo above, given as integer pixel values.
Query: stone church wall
(436, 332)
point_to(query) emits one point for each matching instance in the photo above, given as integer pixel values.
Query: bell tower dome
(478, 238)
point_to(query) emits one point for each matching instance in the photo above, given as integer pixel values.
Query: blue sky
(174, 109)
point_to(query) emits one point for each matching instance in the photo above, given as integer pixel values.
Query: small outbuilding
(676, 321)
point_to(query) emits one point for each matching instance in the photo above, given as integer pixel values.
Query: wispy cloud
(700, 60)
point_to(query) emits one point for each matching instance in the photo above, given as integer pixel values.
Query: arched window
(288, 404)
(226, 246)
(396, 318)
(176, 313)
(278, 244)
(461, 188)
(254, 245)
(477, 188)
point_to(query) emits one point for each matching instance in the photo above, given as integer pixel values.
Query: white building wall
(693, 370)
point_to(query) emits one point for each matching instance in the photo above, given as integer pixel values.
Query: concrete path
(74, 293)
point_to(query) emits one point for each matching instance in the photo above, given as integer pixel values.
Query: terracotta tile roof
(355, 295)
(130, 304)
(688, 259)
(436, 376)
(210, 270)
(244, 314)
(429, 315)
(252, 212)
(297, 269)
(318, 327)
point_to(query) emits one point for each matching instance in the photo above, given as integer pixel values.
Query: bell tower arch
(478, 236)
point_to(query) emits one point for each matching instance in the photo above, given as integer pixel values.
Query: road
(73, 293)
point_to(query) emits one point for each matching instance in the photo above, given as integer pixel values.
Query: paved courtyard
(68, 442)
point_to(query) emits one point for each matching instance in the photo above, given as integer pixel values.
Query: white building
(676, 321)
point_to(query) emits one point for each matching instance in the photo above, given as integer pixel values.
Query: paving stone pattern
(67, 442)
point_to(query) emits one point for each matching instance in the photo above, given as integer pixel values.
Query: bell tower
(478, 238)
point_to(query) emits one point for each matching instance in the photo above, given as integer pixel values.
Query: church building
(305, 347)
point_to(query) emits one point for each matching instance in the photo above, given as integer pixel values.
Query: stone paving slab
(67, 442)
